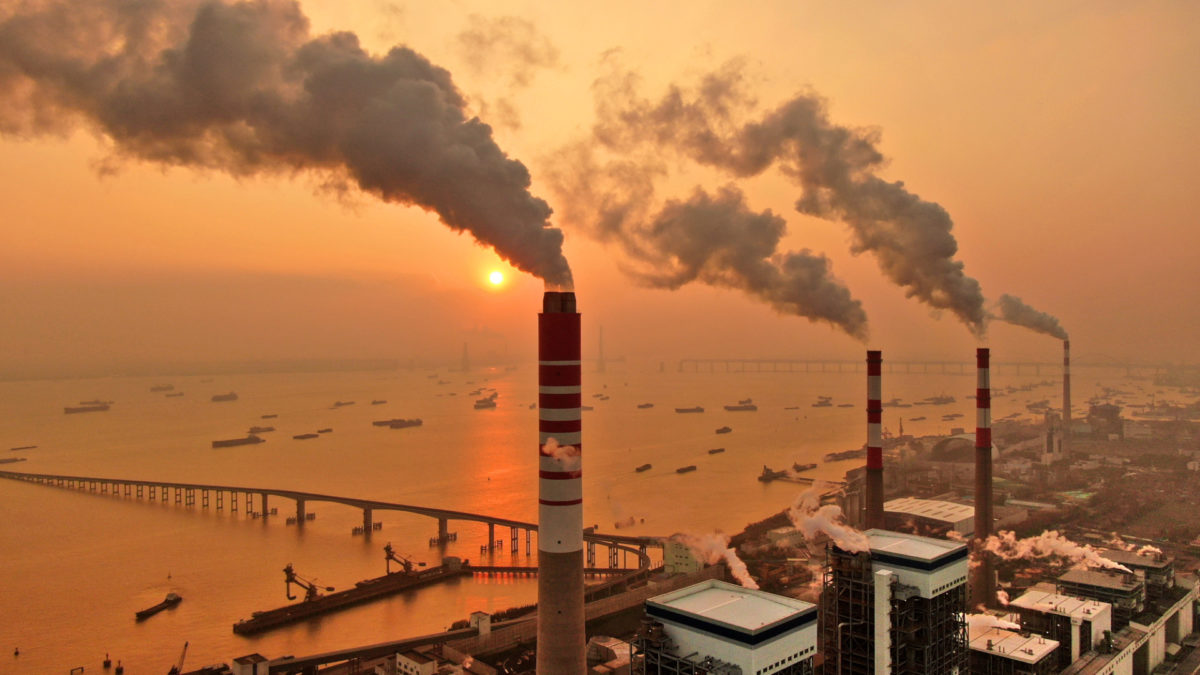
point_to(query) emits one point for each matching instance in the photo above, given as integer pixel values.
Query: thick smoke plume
(1013, 310)
(1048, 544)
(811, 517)
(245, 88)
(714, 239)
(713, 548)
(835, 166)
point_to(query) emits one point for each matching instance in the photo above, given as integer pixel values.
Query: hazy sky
(1062, 139)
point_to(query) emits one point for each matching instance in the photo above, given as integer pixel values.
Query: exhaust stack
(1066, 402)
(983, 585)
(561, 644)
(874, 478)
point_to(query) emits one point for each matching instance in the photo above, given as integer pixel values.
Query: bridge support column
(233, 502)
(220, 500)
(204, 498)
(189, 496)
(178, 495)
(528, 545)
(613, 556)
(443, 531)
(491, 537)
(367, 522)
(513, 532)
(249, 501)
(103, 488)
(152, 496)
(265, 511)
(300, 515)
(591, 554)
(164, 492)
(139, 491)
(127, 488)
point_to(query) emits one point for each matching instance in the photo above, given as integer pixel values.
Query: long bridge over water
(731, 365)
(214, 496)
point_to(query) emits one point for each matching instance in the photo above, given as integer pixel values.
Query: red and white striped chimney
(874, 478)
(561, 645)
(1066, 402)
(983, 586)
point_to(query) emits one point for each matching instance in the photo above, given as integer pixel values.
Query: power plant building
(1078, 624)
(1003, 652)
(1125, 592)
(896, 608)
(1155, 569)
(719, 628)
(929, 514)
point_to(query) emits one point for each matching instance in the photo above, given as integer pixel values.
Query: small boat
(404, 424)
(798, 467)
(378, 401)
(171, 600)
(644, 467)
(768, 474)
(686, 469)
(11, 460)
(724, 430)
(696, 409)
(270, 416)
(485, 404)
(23, 447)
(219, 398)
(792, 407)
(229, 443)
(95, 402)
(940, 400)
(162, 387)
(916, 419)
(823, 403)
(716, 451)
(643, 406)
(71, 410)
(845, 405)
(261, 430)
(340, 404)
(325, 430)
(304, 437)
(174, 394)
(746, 401)
(742, 407)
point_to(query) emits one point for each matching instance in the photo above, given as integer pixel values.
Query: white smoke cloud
(1149, 550)
(246, 89)
(811, 517)
(1048, 544)
(714, 547)
(1002, 597)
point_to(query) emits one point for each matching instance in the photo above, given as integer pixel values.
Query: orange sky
(1063, 139)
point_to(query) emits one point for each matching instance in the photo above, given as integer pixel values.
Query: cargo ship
(644, 406)
(724, 430)
(798, 467)
(404, 424)
(696, 409)
(716, 451)
(171, 600)
(686, 469)
(304, 437)
(363, 591)
(231, 442)
(93, 407)
(260, 430)
(644, 467)
(174, 394)
(221, 398)
(742, 407)
(378, 401)
(162, 387)
(768, 474)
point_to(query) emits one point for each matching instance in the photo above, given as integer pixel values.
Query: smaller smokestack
(874, 478)
(1066, 402)
(984, 581)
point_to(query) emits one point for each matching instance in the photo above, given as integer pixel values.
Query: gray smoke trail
(1013, 310)
(834, 165)
(714, 239)
(244, 88)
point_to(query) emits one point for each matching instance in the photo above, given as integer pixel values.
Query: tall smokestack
(983, 584)
(1066, 402)
(560, 632)
(874, 496)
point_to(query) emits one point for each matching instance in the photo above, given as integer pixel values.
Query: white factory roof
(928, 508)
(1132, 559)
(1063, 605)
(911, 545)
(718, 602)
(1015, 646)
(1101, 578)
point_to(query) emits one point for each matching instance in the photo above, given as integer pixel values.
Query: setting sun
(496, 278)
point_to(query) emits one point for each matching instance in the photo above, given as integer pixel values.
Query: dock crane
(311, 590)
(178, 667)
(406, 563)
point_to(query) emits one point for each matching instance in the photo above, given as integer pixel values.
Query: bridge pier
(265, 510)
(152, 496)
(491, 537)
(513, 532)
(528, 545)
(367, 522)
(178, 495)
(220, 498)
(127, 489)
(139, 491)
(591, 554)
(189, 496)
(163, 492)
(300, 513)
(249, 501)
(204, 498)
(613, 557)
(443, 530)
(233, 502)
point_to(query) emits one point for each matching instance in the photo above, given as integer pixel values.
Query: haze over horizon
(1061, 141)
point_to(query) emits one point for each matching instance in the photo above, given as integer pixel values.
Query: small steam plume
(713, 239)
(246, 89)
(713, 548)
(1013, 310)
(835, 166)
(1048, 544)
(978, 624)
(1149, 550)
(810, 517)
(567, 455)
(1115, 541)
(1002, 597)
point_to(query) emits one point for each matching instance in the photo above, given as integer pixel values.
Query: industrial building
(897, 608)
(1125, 592)
(1078, 624)
(929, 515)
(998, 651)
(1155, 570)
(718, 628)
